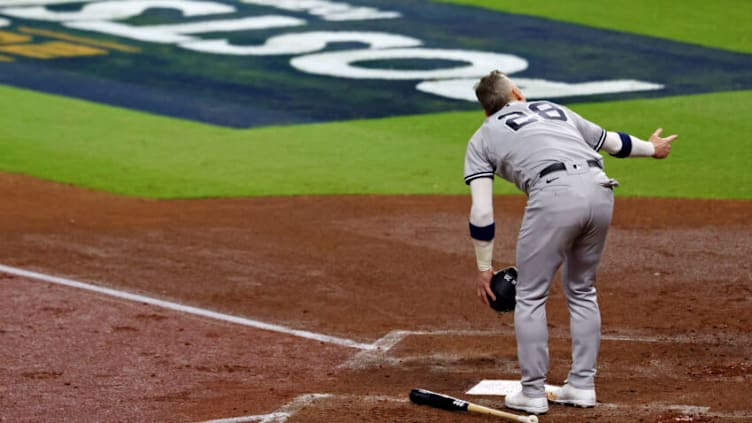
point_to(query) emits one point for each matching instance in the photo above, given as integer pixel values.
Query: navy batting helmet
(504, 287)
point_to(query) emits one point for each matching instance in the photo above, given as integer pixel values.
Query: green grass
(709, 160)
(723, 24)
(72, 141)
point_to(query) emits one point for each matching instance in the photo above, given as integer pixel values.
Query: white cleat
(569, 395)
(518, 401)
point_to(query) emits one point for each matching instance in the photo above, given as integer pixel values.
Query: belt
(561, 166)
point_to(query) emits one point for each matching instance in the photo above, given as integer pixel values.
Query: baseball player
(551, 154)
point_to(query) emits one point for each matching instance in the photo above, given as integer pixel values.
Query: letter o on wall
(342, 63)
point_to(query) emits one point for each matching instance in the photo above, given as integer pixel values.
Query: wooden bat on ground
(445, 402)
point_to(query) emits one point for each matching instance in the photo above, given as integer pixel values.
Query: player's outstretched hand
(662, 145)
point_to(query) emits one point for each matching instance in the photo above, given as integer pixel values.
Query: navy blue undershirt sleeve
(483, 233)
(626, 146)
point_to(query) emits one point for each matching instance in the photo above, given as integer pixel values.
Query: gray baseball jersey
(551, 133)
(565, 223)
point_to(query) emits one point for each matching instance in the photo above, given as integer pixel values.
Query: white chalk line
(285, 412)
(398, 335)
(278, 416)
(271, 417)
(187, 309)
(687, 410)
(378, 355)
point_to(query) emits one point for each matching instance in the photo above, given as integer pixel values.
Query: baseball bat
(445, 402)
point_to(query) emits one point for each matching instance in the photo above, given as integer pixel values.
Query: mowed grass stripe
(722, 24)
(133, 153)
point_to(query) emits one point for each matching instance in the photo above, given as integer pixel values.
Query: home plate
(501, 387)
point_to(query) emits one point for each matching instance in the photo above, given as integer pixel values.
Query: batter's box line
(686, 410)
(394, 337)
(290, 409)
(378, 353)
(278, 416)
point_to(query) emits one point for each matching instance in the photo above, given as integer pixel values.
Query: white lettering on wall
(341, 63)
(303, 42)
(328, 10)
(176, 33)
(462, 89)
(117, 10)
(6, 3)
(4, 22)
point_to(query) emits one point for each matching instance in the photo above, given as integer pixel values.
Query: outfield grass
(152, 156)
(722, 24)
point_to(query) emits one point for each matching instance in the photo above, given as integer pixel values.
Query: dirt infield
(392, 274)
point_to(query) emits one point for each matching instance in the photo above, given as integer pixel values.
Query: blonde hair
(494, 91)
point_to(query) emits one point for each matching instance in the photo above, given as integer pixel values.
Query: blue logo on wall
(249, 63)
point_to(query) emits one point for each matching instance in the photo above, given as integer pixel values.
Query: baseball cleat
(518, 401)
(569, 395)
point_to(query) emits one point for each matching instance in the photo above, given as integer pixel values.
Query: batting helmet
(503, 285)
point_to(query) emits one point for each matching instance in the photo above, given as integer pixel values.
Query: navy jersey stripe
(477, 176)
(601, 140)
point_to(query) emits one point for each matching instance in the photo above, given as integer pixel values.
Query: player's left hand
(484, 286)
(662, 145)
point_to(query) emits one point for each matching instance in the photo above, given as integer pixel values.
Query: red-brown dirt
(675, 289)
